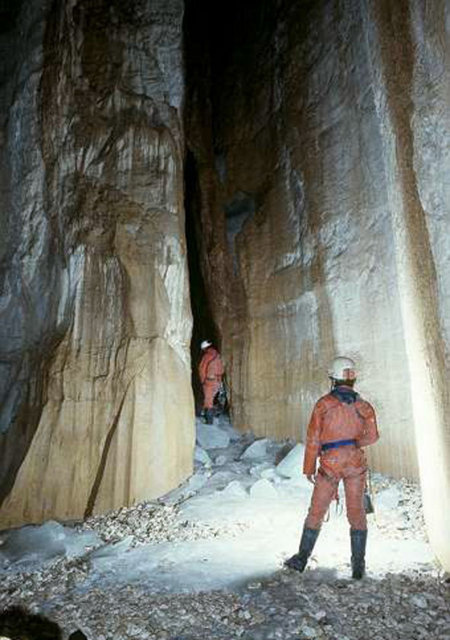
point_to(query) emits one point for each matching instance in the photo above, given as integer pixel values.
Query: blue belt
(336, 444)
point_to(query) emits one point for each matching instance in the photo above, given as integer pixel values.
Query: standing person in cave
(341, 424)
(210, 371)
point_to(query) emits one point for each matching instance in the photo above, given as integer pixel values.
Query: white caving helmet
(205, 344)
(342, 369)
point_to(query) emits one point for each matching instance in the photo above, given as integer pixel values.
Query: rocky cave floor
(205, 561)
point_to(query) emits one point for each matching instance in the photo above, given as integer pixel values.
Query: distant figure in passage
(210, 371)
(341, 423)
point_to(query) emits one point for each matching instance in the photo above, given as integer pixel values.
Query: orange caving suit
(333, 420)
(210, 371)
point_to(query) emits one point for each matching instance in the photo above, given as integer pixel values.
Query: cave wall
(97, 409)
(324, 215)
(317, 136)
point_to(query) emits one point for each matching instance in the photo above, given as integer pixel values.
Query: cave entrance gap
(204, 327)
(208, 46)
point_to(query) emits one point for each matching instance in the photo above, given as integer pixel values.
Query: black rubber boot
(358, 539)
(299, 560)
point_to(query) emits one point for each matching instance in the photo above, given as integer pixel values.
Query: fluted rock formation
(97, 407)
(325, 210)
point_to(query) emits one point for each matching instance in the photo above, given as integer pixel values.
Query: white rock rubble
(205, 562)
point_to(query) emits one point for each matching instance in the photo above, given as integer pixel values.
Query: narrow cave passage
(216, 209)
(203, 323)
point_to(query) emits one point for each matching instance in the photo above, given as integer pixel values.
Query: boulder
(256, 451)
(200, 455)
(210, 436)
(292, 465)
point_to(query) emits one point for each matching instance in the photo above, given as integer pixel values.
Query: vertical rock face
(97, 407)
(411, 94)
(324, 215)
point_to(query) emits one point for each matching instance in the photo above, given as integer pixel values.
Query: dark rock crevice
(204, 326)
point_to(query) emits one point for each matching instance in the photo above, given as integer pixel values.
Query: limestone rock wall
(97, 408)
(324, 213)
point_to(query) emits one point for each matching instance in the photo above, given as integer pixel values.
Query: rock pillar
(97, 408)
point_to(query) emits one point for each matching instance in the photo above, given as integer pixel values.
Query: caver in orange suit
(341, 423)
(210, 372)
(335, 420)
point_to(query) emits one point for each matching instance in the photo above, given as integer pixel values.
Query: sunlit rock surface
(324, 201)
(96, 407)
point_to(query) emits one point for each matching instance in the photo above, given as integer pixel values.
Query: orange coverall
(333, 420)
(210, 371)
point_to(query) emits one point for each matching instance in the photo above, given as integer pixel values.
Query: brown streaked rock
(97, 407)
